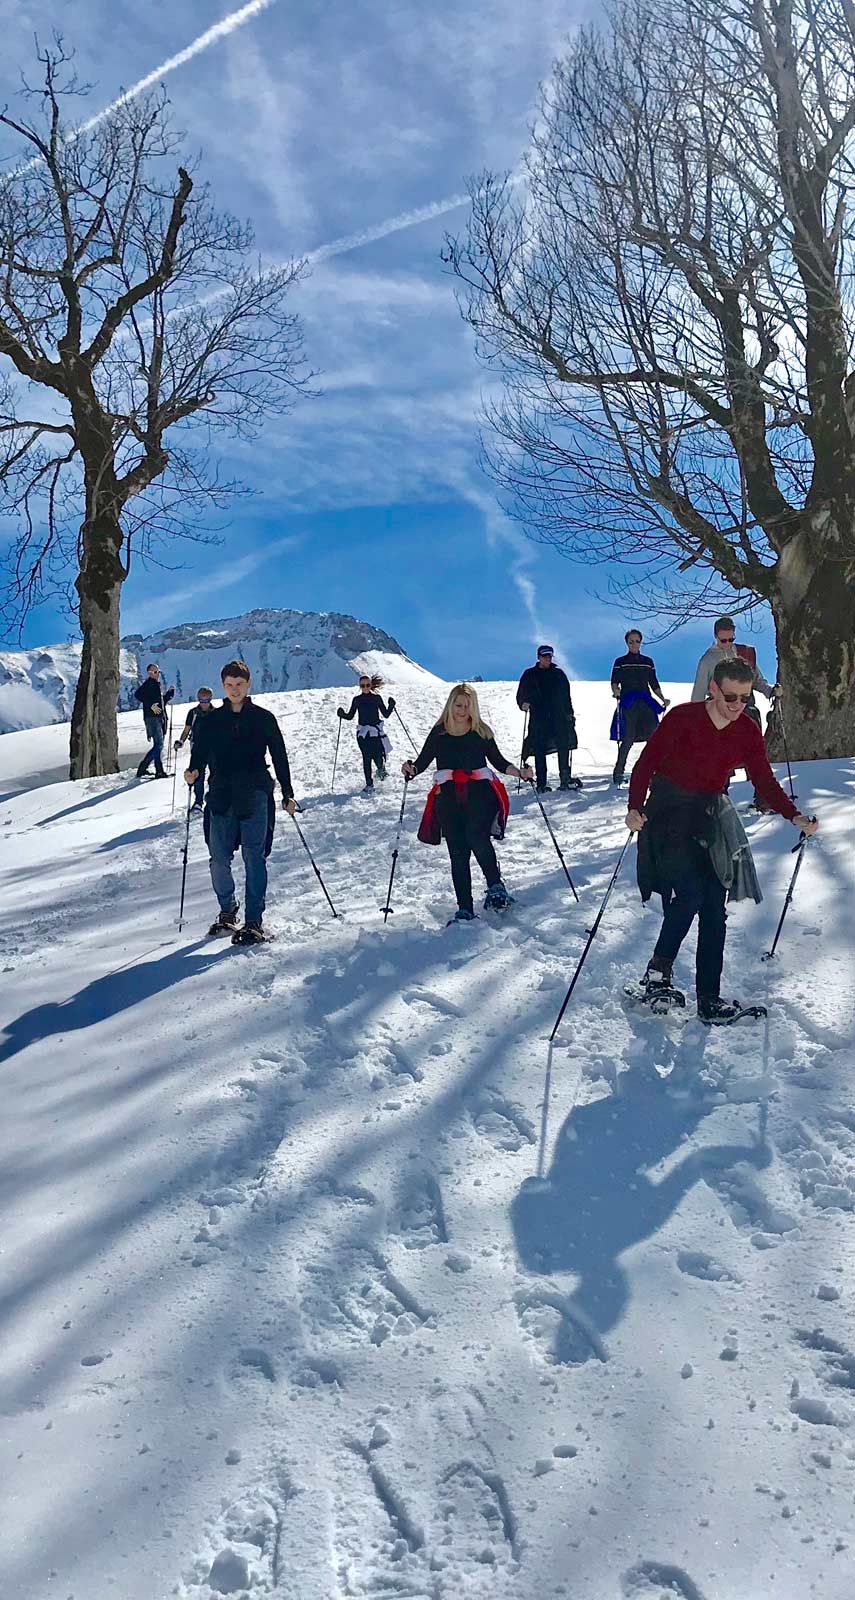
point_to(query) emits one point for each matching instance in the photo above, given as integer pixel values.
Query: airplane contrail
(220, 30)
(381, 230)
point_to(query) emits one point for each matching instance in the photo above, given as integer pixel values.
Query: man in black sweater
(233, 742)
(153, 698)
(544, 692)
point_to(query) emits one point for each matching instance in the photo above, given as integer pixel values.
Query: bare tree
(133, 323)
(669, 303)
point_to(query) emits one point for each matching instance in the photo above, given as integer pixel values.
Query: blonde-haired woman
(467, 806)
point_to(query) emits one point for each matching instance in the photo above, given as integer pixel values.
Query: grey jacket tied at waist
(730, 853)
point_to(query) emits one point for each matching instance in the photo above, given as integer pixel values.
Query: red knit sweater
(689, 750)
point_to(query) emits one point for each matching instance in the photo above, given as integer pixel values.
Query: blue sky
(320, 122)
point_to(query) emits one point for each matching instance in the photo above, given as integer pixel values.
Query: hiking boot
(461, 915)
(142, 769)
(226, 922)
(250, 933)
(497, 897)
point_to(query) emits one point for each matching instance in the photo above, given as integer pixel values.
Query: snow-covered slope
(38, 686)
(324, 1277)
(284, 649)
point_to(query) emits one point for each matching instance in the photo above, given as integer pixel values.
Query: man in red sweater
(685, 766)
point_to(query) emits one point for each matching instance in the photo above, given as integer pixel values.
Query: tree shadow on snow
(598, 1200)
(103, 998)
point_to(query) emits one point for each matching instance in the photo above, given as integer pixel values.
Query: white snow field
(322, 1276)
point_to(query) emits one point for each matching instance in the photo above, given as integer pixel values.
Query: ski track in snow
(315, 1285)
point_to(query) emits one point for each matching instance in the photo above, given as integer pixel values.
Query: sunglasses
(204, 699)
(544, 655)
(732, 698)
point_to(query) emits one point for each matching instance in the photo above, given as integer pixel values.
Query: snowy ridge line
(297, 1215)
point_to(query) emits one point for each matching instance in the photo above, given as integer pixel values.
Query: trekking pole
(554, 840)
(799, 850)
(174, 776)
(186, 849)
(387, 909)
(169, 750)
(335, 757)
(406, 730)
(522, 754)
(591, 936)
(780, 711)
(314, 864)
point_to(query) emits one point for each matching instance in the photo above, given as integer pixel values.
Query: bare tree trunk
(816, 655)
(94, 731)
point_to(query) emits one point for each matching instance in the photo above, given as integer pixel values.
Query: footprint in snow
(421, 1213)
(659, 1580)
(364, 1303)
(498, 1120)
(560, 1333)
(699, 1264)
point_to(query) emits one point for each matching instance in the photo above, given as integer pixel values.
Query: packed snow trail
(315, 1285)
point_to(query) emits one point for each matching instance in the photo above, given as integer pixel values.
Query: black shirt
(152, 693)
(465, 752)
(635, 674)
(233, 746)
(193, 713)
(369, 708)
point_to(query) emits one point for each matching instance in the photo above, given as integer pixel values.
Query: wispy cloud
(226, 576)
(390, 225)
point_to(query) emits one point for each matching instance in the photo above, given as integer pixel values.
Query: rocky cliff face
(283, 649)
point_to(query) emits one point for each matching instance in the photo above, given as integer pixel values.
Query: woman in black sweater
(467, 806)
(374, 743)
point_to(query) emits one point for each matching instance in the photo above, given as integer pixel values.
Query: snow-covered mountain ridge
(285, 650)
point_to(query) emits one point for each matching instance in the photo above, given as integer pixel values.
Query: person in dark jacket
(153, 698)
(544, 692)
(374, 743)
(233, 742)
(634, 685)
(467, 806)
(202, 708)
(686, 766)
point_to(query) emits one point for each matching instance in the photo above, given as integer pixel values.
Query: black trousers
(372, 751)
(563, 753)
(696, 891)
(466, 830)
(623, 750)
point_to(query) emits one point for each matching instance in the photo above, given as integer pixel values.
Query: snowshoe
(382, 774)
(572, 783)
(250, 933)
(497, 898)
(544, 788)
(720, 1013)
(226, 923)
(367, 788)
(461, 916)
(656, 991)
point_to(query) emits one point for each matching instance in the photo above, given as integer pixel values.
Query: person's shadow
(103, 998)
(597, 1200)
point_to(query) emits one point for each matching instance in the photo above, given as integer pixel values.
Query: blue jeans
(227, 832)
(154, 732)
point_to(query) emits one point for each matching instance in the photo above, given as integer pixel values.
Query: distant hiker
(202, 708)
(725, 649)
(467, 805)
(634, 684)
(232, 741)
(154, 699)
(544, 692)
(692, 849)
(374, 743)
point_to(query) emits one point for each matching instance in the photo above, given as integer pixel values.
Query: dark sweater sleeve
(658, 746)
(349, 715)
(200, 740)
(495, 757)
(616, 674)
(522, 690)
(654, 682)
(165, 698)
(138, 692)
(427, 753)
(279, 757)
(763, 778)
(386, 711)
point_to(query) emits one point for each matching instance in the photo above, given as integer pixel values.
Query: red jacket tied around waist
(430, 831)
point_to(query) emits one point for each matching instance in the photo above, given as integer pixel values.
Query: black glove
(391, 703)
(339, 712)
(177, 745)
